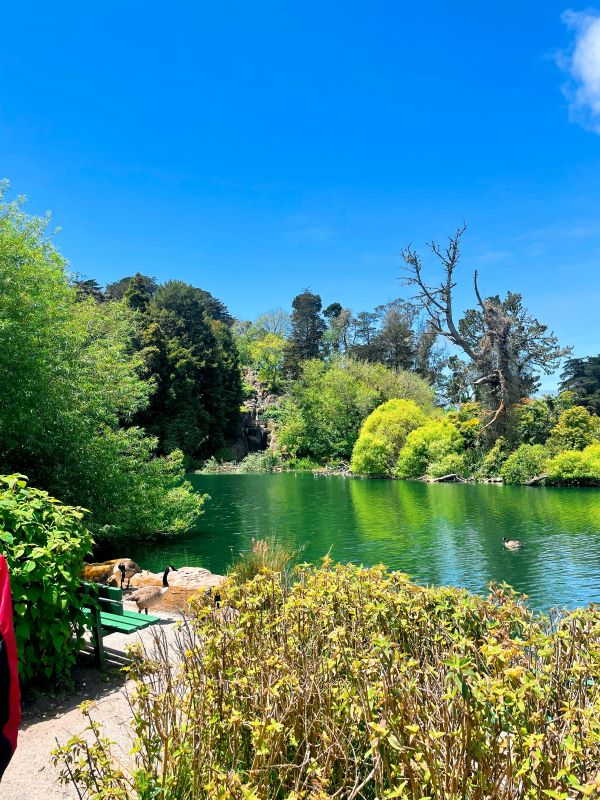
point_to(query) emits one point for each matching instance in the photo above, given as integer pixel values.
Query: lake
(437, 533)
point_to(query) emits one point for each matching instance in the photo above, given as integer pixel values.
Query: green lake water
(437, 533)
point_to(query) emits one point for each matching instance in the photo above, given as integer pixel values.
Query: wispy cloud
(582, 63)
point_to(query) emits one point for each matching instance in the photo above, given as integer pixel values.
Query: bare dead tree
(503, 344)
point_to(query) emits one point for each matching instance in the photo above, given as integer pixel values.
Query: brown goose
(149, 596)
(512, 544)
(125, 569)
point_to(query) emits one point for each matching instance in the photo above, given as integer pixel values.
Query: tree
(192, 360)
(308, 327)
(327, 404)
(576, 428)
(88, 287)
(277, 322)
(138, 295)
(582, 377)
(267, 357)
(505, 347)
(66, 413)
(116, 290)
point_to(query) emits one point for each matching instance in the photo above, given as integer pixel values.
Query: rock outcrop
(183, 583)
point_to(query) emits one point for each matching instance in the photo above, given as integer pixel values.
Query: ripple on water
(438, 534)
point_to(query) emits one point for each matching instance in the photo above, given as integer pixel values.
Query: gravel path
(30, 775)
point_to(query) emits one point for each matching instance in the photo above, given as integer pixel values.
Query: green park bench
(107, 615)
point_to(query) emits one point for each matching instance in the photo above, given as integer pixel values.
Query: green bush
(576, 428)
(382, 436)
(491, 464)
(44, 543)
(579, 467)
(264, 461)
(427, 446)
(354, 683)
(450, 464)
(525, 463)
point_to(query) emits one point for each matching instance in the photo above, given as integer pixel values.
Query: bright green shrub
(533, 420)
(427, 446)
(467, 419)
(382, 436)
(355, 677)
(44, 543)
(576, 467)
(491, 464)
(576, 428)
(525, 463)
(450, 464)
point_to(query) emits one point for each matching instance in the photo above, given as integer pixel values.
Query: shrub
(533, 421)
(428, 445)
(355, 683)
(382, 436)
(525, 463)
(467, 419)
(44, 543)
(450, 464)
(491, 464)
(576, 467)
(576, 428)
(264, 461)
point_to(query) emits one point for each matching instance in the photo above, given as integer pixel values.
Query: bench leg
(97, 640)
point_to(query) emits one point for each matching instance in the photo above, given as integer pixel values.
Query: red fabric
(10, 695)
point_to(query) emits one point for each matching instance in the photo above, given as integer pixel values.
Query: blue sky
(255, 149)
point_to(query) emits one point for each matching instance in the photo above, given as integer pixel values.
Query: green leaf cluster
(44, 543)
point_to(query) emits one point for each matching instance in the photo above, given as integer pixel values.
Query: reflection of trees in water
(443, 534)
(453, 534)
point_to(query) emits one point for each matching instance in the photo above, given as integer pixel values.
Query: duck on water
(512, 544)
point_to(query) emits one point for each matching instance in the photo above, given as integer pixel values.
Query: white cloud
(582, 63)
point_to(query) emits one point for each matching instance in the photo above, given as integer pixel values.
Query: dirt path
(30, 775)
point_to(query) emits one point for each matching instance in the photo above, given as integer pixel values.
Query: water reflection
(442, 534)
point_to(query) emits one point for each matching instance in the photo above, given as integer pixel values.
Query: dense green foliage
(582, 377)
(549, 434)
(71, 391)
(322, 415)
(44, 543)
(434, 448)
(525, 463)
(579, 467)
(191, 359)
(353, 682)
(383, 435)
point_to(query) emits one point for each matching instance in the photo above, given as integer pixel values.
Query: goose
(512, 544)
(149, 596)
(224, 614)
(127, 569)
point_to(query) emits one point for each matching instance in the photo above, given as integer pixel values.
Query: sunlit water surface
(437, 533)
